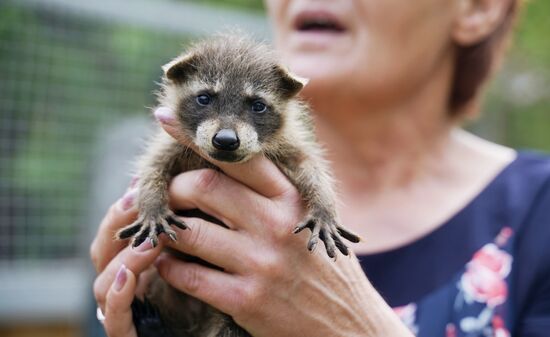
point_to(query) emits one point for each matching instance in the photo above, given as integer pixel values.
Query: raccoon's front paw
(151, 226)
(323, 226)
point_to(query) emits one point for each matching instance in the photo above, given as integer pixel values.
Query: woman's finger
(220, 196)
(259, 173)
(105, 247)
(118, 313)
(217, 288)
(215, 244)
(136, 259)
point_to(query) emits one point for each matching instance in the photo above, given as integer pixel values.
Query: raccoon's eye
(203, 99)
(259, 107)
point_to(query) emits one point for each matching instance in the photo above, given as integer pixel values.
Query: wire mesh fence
(63, 79)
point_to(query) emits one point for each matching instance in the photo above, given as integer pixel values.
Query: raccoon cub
(234, 101)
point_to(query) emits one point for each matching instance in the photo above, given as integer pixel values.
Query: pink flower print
(483, 280)
(407, 314)
(493, 258)
(504, 235)
(450, 330)
(499, 329)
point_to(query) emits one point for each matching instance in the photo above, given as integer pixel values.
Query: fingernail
(134, 181)
(164, 115)
(120, 278)
(145, 245)
(127, 201)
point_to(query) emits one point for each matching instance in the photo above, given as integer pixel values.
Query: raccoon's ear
(290, 83)
(179, 68)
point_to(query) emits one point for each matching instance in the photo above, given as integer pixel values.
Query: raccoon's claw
(340, 245)
(346, 234)
(173, 221)
(162, 228)
(151, 227)
(324, 228)
(302, 226)
(128, 231)
(314, 238)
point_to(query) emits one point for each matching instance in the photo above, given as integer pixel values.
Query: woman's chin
(321, 73)
(323, 94)
(313, 67)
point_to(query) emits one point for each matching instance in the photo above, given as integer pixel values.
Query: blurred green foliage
(517, 107)
(532, 40)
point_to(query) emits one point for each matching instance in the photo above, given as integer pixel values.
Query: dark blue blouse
(486, 271)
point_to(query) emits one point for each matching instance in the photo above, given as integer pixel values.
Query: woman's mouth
(318, 22)
(317, 30)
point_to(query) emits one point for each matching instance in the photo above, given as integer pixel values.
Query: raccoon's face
(229, 125)
(231, 112)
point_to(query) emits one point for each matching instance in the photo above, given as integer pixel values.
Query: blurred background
(76, 82)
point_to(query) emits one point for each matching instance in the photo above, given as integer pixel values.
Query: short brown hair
(474, 63)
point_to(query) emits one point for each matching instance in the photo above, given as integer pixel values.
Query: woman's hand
(270, 284)
(122, 271)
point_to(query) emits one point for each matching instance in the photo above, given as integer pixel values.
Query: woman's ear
(179, 68)
(477, 19)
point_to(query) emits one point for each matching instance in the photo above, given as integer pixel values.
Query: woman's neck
(372, 151)
(386, 141)
(398, 182)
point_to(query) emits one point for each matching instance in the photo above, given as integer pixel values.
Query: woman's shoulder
(518, 178)
(517, 199)
(499, 279)
(525, 186)
(528, 186)
(532, 164)
(526, 195)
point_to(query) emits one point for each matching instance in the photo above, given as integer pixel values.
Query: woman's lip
(317, 40)
(307, 16)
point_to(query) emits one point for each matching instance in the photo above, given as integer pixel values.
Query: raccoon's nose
(226, 139)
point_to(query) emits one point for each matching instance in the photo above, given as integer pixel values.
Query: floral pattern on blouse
(407, 314)
(478, 295)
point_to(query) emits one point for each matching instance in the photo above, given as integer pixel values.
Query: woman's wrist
(365, 313)
(380, 319)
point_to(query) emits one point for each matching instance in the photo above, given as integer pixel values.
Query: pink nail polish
(121, 277)
(127, 201)
(145, 245)
(165, 115)
(134, 181)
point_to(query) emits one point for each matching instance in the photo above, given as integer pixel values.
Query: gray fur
(235, 72)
